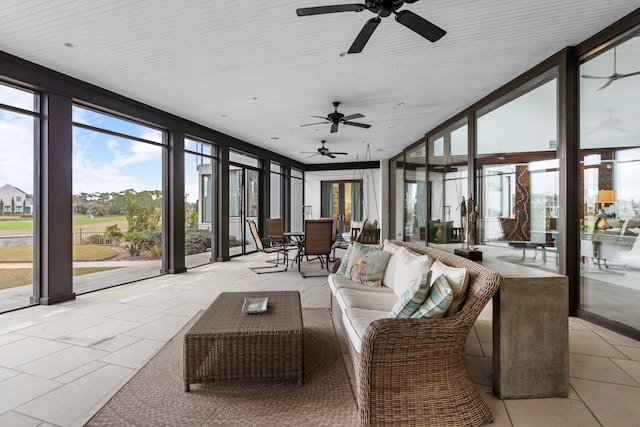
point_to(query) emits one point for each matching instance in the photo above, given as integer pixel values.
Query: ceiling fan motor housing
(384, 8)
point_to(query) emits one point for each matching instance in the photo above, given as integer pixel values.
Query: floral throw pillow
(344, 263)
(367, 264)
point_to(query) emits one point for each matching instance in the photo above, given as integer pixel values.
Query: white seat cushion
(337, 282)
(356, 321)
(356, 298)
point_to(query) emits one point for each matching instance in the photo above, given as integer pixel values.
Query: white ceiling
(254, 70)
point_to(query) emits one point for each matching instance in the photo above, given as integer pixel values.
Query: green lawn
(80, 253)
(25, 226)
(12, 277)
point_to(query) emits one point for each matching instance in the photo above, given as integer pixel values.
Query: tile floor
(59, 364)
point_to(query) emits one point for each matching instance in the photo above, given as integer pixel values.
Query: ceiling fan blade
(593, 77)
(361, 125)
(341, 154)
(621, 76)
(307, 11)
(331, 155)
(353, 116)
(321, 117)
(334, 127)
(418, 24)
(314, 154)
(364, 35)
(311, 124)
(606, 84)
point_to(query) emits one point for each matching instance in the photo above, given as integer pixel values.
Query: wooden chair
(269, 247)
(318, 238)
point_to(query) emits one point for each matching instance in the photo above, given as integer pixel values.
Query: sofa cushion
(367, 264)
(412, 298)
(355, 322)
(458, 281)
(383, 300)
(438, 301)
(337, 282)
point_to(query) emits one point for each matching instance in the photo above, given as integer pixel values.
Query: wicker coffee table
(226, 344)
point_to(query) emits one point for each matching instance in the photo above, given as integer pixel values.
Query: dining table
(297, 237)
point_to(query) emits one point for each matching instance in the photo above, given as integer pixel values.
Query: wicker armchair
(414, 371)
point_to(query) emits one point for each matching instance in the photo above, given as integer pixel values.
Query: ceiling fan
(324, 151)
(336, 118)
(613, 77)
(382, 8)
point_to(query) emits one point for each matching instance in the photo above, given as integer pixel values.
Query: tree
(1, 207)
(13, 205)
(141, 212)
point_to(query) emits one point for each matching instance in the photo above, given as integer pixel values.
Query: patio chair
(275, 227)
(318, 241)
(269, 247)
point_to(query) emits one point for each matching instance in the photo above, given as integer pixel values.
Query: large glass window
(276, 187)
(298, 211)
(517, 172)
(610, 171)
(396, 199)
(18, 124)
(199, 176)
(244, 199)
(117, 201)
(448, 182)
(415, 194)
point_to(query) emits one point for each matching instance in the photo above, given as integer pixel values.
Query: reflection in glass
(517, 174)
(448, 183)
(415, 200)
(610, 209)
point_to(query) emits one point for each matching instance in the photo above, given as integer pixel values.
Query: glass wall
(517, 174)
(448, 185)
(18, 133)
(199, 182)
(276, 190)
(415, 191)
(117, 201)
(244, 199)
(610, 171)
(297, 200)
(396, 199)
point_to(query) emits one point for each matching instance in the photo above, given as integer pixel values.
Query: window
(117, 191)
(18, 120)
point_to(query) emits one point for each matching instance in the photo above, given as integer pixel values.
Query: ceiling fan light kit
(383, 9)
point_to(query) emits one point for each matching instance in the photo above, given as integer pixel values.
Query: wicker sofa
(413, 371)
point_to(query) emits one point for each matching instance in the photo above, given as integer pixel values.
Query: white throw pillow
(458, 280)
(392, 264)
(409, 268)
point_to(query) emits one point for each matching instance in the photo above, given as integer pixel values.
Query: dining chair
(269, 247)
(318, 238)
(275, 228)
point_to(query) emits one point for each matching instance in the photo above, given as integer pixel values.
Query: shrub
(196, 241)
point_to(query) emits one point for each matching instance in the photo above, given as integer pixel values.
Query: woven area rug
(155, 396)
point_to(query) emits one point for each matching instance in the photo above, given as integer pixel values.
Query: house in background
(15, 201)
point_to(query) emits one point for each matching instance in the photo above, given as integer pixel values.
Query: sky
(101, 162)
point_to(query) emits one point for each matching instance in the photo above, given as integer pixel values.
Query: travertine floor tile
(23, 388)
(550, 413)
(590, 343)
(598, 369)
(26, 350)
(612, 404)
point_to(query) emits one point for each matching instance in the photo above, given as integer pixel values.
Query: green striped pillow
(438, 301)
(412, 298)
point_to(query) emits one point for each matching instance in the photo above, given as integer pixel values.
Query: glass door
(342, 199)
(244, 196)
